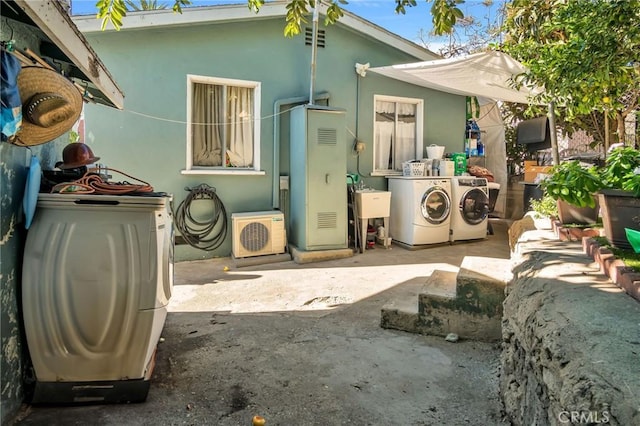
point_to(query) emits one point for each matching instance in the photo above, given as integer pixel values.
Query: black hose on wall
(202, 234)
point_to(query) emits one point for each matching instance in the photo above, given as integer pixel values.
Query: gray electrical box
(317, 181)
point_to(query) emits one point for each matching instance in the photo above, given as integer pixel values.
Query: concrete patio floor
(301, 344)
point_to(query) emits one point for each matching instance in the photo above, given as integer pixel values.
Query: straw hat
(51, 105)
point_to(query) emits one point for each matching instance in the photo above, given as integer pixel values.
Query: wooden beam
(56, 23)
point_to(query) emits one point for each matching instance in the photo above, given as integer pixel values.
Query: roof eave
(56, 23)
(88, 24)
(237, 12)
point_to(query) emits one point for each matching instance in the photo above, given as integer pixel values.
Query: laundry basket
(413, 168)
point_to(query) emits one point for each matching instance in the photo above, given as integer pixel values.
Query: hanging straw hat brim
(38, 80)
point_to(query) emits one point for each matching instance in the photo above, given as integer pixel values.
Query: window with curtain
(397, 133)
(223, 124)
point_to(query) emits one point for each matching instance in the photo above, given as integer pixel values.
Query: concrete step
(490, 275)
(310, 256)
(467, 302)
(402, 312)
(475, 312)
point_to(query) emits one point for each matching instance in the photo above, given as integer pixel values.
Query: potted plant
(545, 211)
(620, 195)
(575, 188)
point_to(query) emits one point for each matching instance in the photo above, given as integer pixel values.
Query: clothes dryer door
(474, 206)
(435, 205)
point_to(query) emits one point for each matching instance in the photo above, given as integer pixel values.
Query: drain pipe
(314, 50)
(275, 185)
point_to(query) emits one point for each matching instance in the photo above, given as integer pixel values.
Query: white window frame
(419, 130)
(191, 169)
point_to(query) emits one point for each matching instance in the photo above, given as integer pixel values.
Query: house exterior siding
(148, 139)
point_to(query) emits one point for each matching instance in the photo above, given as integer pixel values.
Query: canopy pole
(607, 142)
(553, 135)
(314, 50)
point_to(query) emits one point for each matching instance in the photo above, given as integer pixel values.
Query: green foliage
(112, 11)
(573, 183)
(73, 136)
(444, 12)
(144, 5)
(546, 206)
(584, 53)
(620, 170)
(296, 11)
(577, 184)
(255, 5)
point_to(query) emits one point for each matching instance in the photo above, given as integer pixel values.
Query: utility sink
(371, 203)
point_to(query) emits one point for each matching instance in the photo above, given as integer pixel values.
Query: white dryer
(470, 212)
(420, 209)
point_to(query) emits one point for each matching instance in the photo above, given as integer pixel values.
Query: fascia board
(239, 12)
(189, 16)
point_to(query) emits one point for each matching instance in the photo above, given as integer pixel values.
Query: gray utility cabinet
(318, 183)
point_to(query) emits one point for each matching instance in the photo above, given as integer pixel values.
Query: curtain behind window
(222, 122)
(207, 130)
(395, 135)
(406, 137)
(240, 126)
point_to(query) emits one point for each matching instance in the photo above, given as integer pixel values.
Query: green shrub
(574, 183)
(546, 206)
(620, 170)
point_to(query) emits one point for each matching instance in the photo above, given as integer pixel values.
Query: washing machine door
(474, 206)
(435, 205)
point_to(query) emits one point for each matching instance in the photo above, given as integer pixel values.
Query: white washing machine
(470, 211)
(420, 209)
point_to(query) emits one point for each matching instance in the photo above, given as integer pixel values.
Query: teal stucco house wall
(159, 58)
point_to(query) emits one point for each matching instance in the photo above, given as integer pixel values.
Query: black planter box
(620, 210)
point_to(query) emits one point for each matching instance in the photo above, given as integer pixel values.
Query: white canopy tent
(487, 76)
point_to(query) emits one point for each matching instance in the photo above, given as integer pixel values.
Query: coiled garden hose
(207, 234)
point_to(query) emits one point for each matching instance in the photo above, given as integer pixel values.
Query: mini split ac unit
(258, 233)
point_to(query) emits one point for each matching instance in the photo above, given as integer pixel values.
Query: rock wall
(571, 343)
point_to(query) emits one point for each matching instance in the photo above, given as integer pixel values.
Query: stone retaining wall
(571, 341)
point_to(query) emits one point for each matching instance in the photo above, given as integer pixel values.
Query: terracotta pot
(569, 213)
(620, 210)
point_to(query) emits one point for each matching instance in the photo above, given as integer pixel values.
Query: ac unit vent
(254, 236)
(327, 136)
(327, 220)
(308, 37)
(258, 233)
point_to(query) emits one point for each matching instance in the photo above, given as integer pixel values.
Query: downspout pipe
(275, 185)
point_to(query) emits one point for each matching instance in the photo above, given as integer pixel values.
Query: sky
(380, 12)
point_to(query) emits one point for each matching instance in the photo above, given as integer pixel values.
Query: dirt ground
(302, 345)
